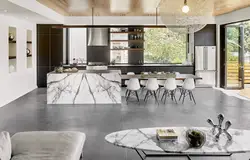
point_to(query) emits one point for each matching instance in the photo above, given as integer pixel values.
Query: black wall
(206, 36)
(49, 51)
(98, 54)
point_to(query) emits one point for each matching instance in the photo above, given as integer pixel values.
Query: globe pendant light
(185, 8)
(188, 17)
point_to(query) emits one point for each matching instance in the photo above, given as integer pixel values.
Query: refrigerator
(205, 65)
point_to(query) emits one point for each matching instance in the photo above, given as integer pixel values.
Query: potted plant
(195, 138)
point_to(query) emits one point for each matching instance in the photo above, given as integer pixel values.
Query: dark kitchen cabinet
(206, 36)
(49, 51)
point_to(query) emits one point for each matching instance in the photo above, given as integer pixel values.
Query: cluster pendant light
(188, 17)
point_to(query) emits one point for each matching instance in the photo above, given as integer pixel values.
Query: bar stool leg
(155, 96)
(166, 97)
(146, 96)
(184, 96)
(164, 94)
(193, 97)
(128, 95)
(181, 94)
(189, 92)
(173, 92)
(137, 96)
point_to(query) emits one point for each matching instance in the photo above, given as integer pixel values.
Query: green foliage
(164, 46)
(233, 39)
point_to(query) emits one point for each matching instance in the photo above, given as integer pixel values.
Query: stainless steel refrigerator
(205, 65)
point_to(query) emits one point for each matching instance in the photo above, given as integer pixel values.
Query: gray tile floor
(30, 113)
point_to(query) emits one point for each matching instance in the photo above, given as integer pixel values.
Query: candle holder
(219, 127)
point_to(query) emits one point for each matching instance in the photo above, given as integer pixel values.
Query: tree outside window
(164, 46)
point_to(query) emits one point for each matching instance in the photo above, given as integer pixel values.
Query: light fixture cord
(185, 2)
(92, 16)
(156, 16)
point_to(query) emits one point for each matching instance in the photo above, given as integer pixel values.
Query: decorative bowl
(195, 138)
(59, 69)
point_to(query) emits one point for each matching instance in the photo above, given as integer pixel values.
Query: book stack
(166, 135)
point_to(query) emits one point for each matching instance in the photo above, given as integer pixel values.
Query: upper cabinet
(12, 50)
(29, 49)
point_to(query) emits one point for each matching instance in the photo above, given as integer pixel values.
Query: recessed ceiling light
(5, 10)
(26, 17)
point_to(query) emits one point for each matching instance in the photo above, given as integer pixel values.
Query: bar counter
(84, 87)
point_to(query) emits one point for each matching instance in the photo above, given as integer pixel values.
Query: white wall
(78, 44)
(14, 85)
(36, 7)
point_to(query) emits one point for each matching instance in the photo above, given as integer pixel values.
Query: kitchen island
(84, 87)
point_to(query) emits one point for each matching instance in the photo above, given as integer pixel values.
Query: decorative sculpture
(219, 127)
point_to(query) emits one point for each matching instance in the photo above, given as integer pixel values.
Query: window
(77, 45)
(164, 46)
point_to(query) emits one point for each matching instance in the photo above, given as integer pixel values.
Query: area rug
(245, 93)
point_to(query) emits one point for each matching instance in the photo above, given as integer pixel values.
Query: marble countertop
(145, 139)
(142, 65)
(84, 87)
(88, 71)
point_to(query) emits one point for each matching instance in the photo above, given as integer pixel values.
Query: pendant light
(185, 8)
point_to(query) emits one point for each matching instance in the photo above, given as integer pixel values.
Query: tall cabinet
(49, 51)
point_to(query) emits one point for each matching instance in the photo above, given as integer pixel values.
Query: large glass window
(164, 46)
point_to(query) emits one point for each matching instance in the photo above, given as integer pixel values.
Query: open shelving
(14, 57)
(15, 42)
(134, 40)
(127, 43)
(29, 48)
(127, 32)
(12, 49)
(129, 49)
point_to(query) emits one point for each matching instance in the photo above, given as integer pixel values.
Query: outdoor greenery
(233, 38)
(164, 46)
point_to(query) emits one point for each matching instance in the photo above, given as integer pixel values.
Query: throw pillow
(5, 146)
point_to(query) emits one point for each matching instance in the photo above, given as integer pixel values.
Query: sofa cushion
(5, 146)
(47, 145)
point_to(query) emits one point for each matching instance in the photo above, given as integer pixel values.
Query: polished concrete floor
(30, 113)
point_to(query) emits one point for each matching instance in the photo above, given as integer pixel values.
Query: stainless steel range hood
(97, 36)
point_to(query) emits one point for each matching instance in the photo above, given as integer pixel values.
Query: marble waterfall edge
(84, 88)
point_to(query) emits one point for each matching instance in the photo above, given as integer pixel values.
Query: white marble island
(84, 87)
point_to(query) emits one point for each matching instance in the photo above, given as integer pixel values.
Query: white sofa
(47, 145)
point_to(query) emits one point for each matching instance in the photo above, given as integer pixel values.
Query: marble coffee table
(144, 141)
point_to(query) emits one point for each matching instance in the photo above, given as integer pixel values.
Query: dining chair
(143, 82)
(179, 83)
(129, 73)
(132, 87)
(187, 88)
(170, 88)
(161, 84)
(151, 86)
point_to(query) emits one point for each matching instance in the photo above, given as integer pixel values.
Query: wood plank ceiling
(102, 7)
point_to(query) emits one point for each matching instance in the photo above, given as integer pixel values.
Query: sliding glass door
(234, 49)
